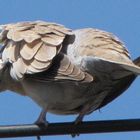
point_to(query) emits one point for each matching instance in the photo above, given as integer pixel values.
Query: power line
(70, 128)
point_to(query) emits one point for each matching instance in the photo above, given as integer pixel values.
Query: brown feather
(18, 69)
(14, 35)
(45, 53)
(35, 43)
(29, 36)
(42, 30)
(28, 51)
(52, 39)
(39, 64)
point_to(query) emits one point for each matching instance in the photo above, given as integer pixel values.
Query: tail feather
(133, 68)
(137, 61)
(120, 86)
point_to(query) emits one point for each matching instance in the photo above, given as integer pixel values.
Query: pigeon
(64, 71)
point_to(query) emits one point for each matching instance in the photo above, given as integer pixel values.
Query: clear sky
(122, 17)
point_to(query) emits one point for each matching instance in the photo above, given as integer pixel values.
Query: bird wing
(31, 46)
(62, 70)
(105, 46)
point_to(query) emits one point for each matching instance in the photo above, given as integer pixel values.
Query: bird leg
(76, 122)
(80, 117)
(41, 121)
(42, 118)
(82, 113)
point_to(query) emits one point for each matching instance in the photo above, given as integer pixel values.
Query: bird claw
(74, 135)
(42, 123)
(38, 138)
(76, 122)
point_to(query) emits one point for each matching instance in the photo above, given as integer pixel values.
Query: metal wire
(70, 128)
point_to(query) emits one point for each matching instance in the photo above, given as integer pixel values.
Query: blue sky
(120, 17)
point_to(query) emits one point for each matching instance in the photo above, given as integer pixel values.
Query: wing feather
(46, 53)
(102, 45)
(30, 47)
(53, 39)
(29, 36)
(62, 70)
(18, 69)
(40, 65)
(28, 51)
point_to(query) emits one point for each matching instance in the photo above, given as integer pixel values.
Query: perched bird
(64, 71)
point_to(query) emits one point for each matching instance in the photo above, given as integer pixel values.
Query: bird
(62, 70)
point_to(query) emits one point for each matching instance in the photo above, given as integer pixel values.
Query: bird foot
(74, 135)
(76, 122)
(41, 121)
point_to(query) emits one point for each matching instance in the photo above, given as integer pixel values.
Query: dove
(64, 71)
